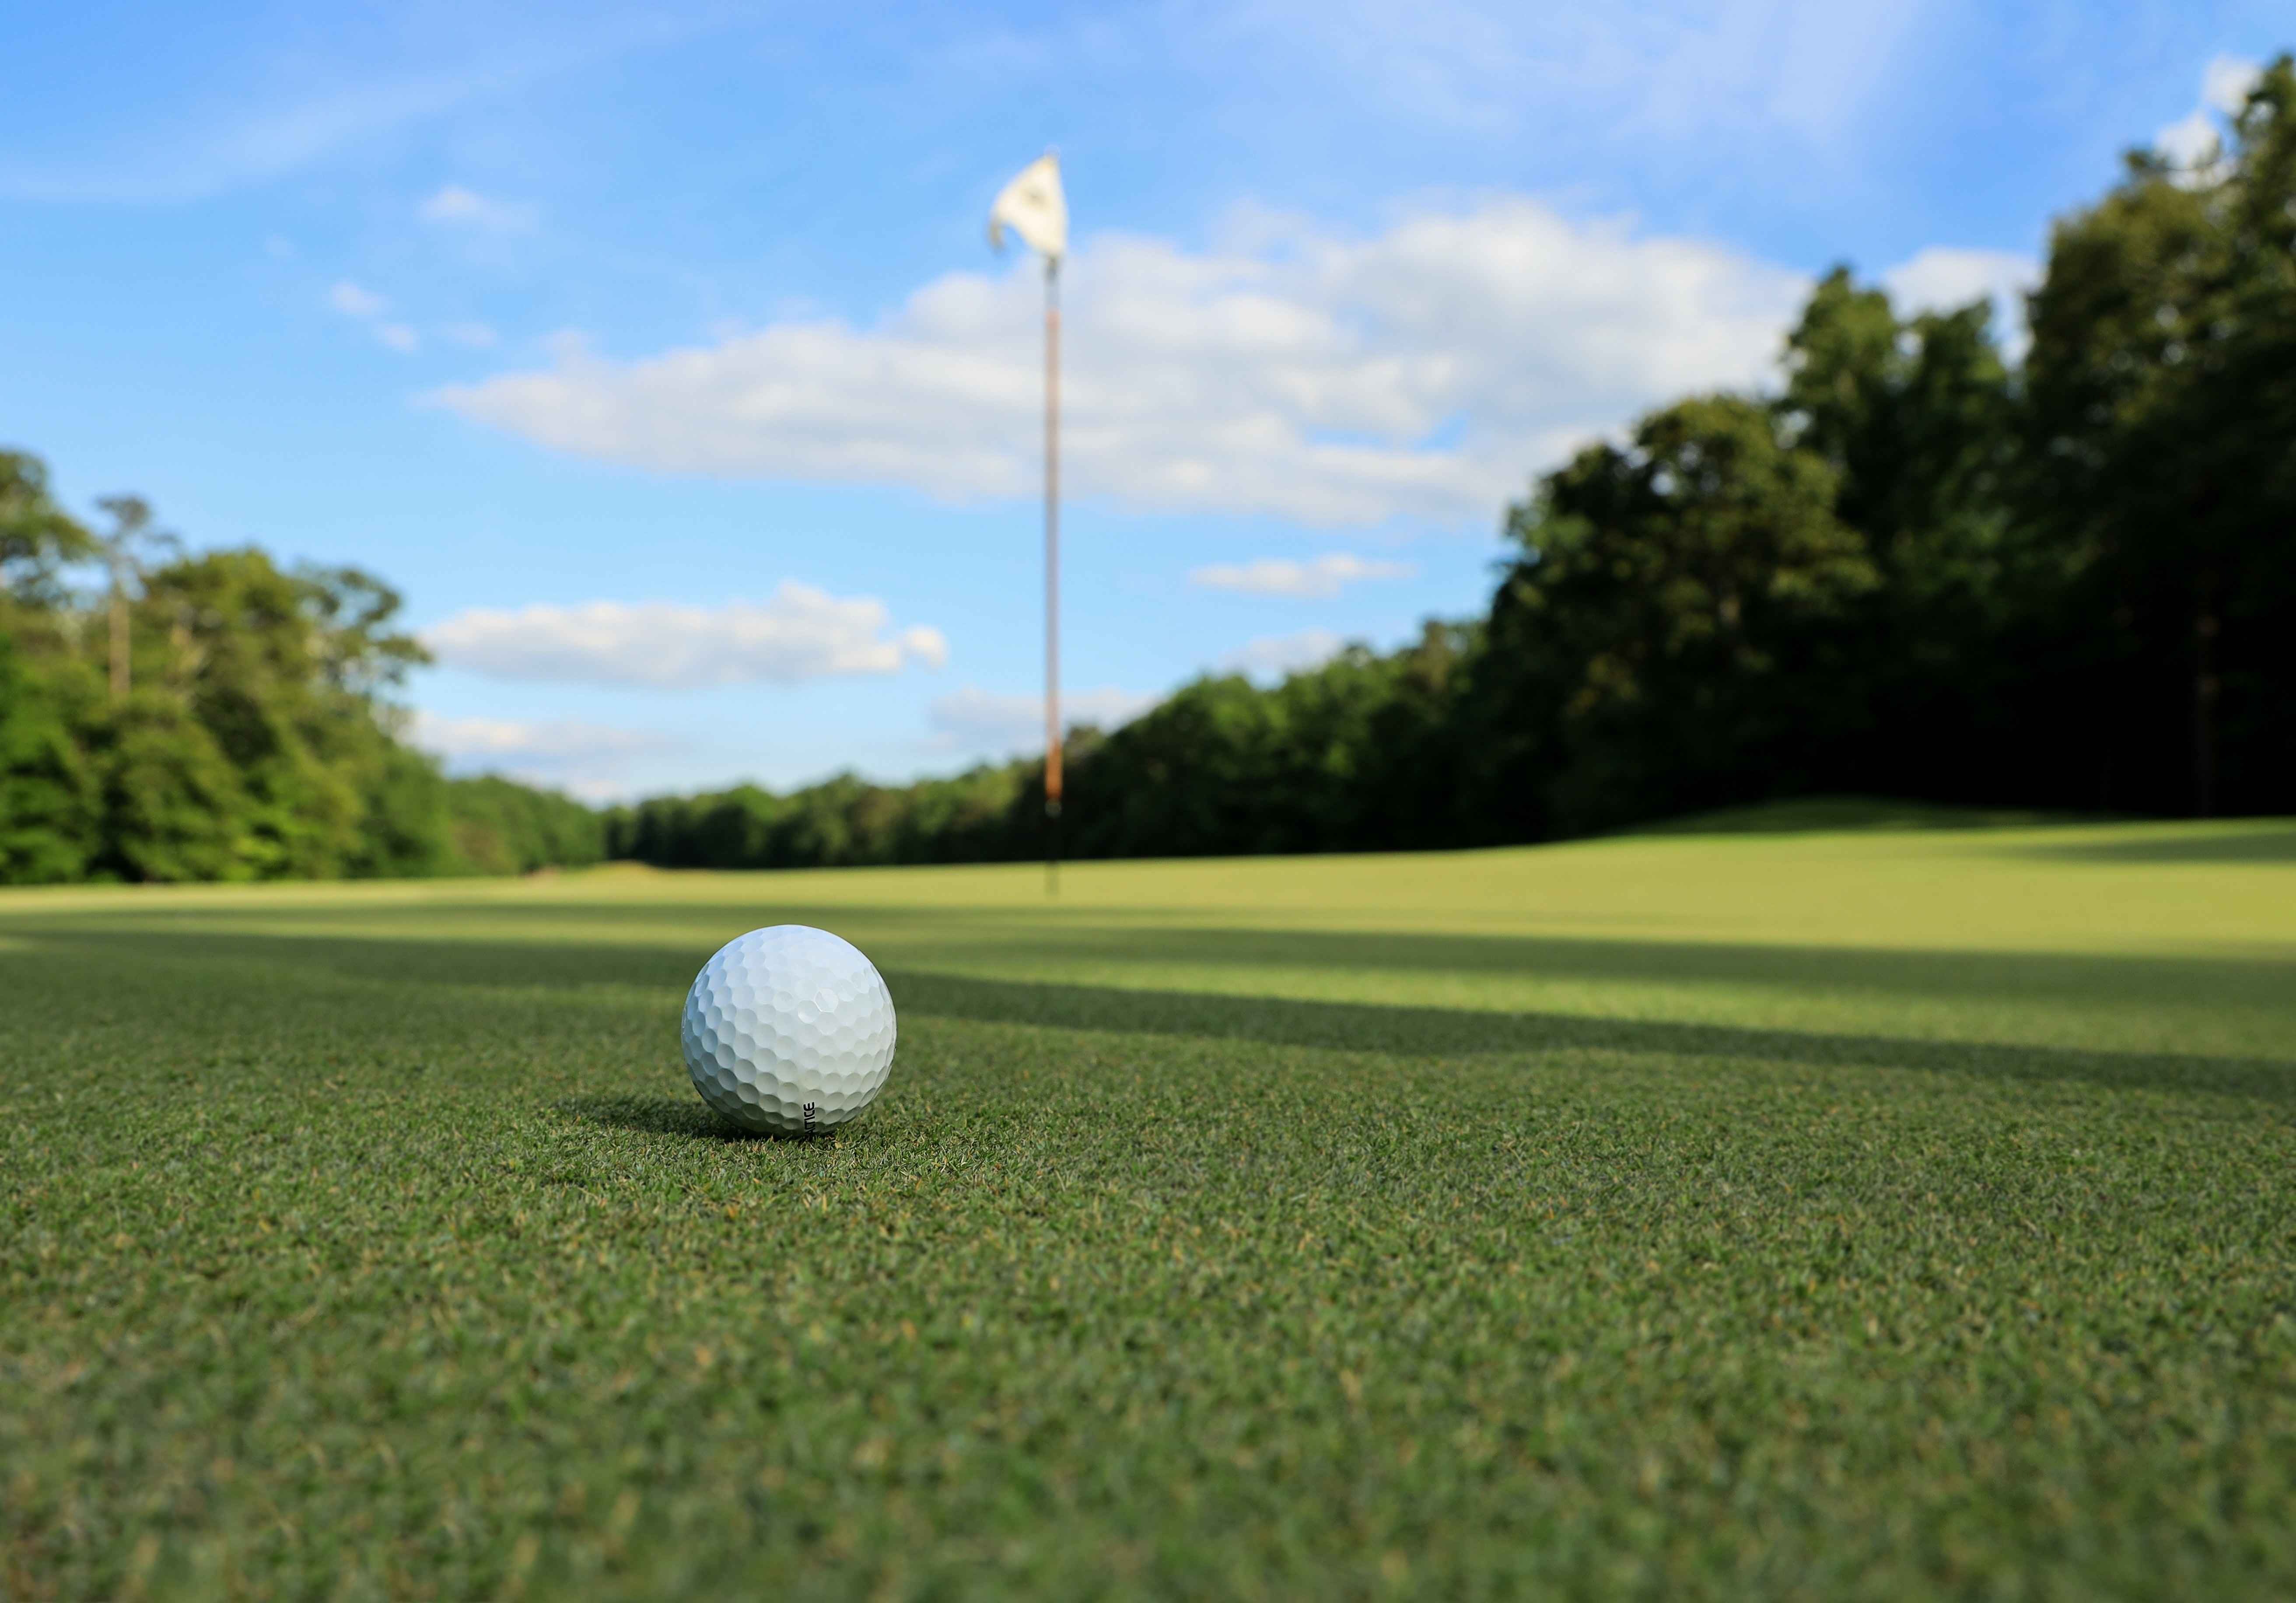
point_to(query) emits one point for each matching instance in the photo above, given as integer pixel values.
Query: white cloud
(1318, 578)
(1424, 371)
(797, 633)
(353, 301)
(973, 719)
(476, 336)
(1272, 656)
(2189, 141)
(2226, 82)
(466, 208)
(2193, 141)
(398, 336)
(1944, 278)
(592, 761)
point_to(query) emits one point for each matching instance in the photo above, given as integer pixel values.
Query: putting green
(1869, 1213)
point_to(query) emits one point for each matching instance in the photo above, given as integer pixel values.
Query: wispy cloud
(354, 301)
(973, 719)
(476, 336)
(194, 152)
(593, 761)
(797, 633)
(1808, 68)
(1272, 656)
(364, 306)
(1318, 578)
(1334, 380)
(458, 207)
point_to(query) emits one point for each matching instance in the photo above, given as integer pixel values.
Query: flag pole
(1051, 575)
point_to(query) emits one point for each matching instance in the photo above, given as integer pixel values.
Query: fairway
(1871, 1214)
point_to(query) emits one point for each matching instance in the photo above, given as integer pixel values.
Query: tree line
(215, 717)
(1929, 567)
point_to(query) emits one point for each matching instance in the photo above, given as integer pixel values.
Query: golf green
(1876, 1214)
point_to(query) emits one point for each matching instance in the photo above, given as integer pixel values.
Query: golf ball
(788, 1030)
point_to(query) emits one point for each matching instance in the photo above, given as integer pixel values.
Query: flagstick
(1051, 575)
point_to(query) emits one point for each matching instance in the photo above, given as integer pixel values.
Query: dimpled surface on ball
(788, 1030)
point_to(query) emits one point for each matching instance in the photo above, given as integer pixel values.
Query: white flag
(1033, 207)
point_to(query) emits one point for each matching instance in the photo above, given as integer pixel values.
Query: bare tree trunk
(118, 637)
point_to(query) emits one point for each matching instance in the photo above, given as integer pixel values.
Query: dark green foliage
(1358, 753)
(37, 537)
(502, 827)
(2161, 426)
(175, 807)
(47, 811)
(239, 734)
(842, 822)
(1668, 637)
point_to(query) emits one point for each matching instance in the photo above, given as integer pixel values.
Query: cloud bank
(1421, 372)
(797, 633)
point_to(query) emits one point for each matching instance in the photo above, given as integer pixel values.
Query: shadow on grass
(1440, 1031)
(2272, 843)
(392, 954)
(659, 1116)
(1834, 815)
(688, 1117)
(641, 974)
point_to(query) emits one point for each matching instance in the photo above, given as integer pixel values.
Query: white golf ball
(788, 1030)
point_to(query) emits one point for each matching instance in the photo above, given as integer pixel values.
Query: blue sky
(657, 356)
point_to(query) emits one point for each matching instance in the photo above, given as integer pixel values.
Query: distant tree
(48, 810)
(1666, 638)
(175, 807)
(1917, 416)
(126, 546)
(37, 535)
(501, 827)
(2163, 429)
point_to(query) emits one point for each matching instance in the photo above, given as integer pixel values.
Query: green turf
(1869, 1215)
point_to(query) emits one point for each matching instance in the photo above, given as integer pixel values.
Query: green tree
(37, 537)
(174, 809)
(282, 670)
(1667, 638)
(2162, 384)
(1914, 416)
(47, 807)
(501, 827)
(1917, 416)
(127, 547)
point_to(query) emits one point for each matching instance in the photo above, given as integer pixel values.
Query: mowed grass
(1873, 1214)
